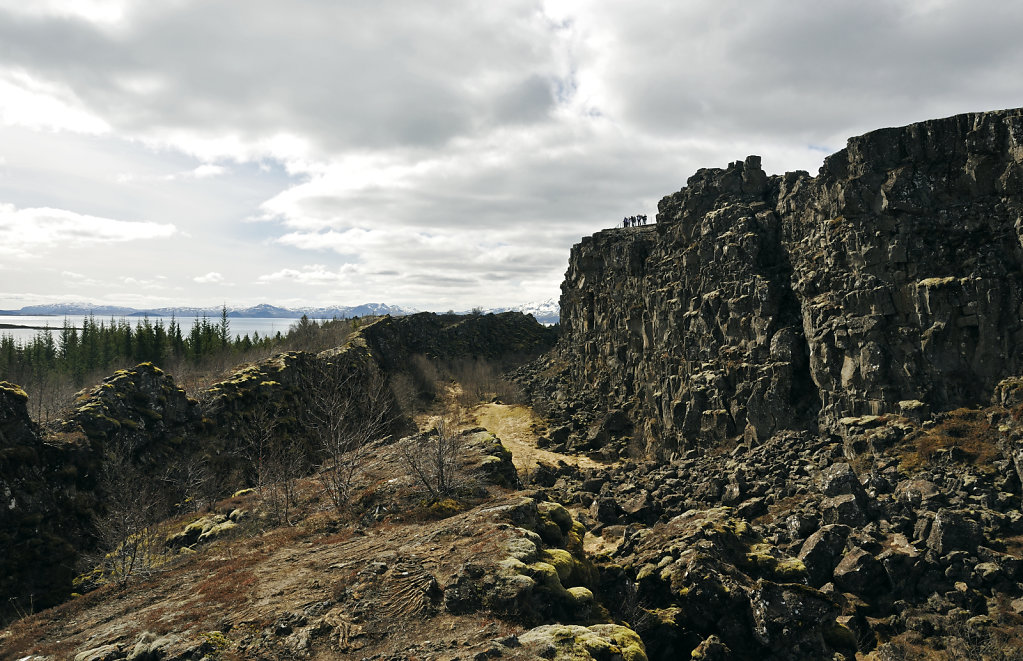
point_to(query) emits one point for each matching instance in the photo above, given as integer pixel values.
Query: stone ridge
(761, 303)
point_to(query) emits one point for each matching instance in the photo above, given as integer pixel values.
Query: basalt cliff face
(889, 283)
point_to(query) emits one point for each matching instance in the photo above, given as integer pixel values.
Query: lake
(239, 325)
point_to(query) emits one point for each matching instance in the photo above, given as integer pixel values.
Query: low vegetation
(960, 436)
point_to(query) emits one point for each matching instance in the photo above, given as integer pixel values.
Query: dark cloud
(344, 75)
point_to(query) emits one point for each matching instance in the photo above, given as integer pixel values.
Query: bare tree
(134, 504)
(195, 480)
(350, 408)
(258, 437)
(274, 460)
(436, 460)
(283, 464)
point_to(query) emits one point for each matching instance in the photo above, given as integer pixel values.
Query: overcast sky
(434, 154)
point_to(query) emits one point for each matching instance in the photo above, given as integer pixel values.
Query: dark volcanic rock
(45, 507)
(861, 573)
(722, 581)
(954, 530)
(890, 283)
(822, 551)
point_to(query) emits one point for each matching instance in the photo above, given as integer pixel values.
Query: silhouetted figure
(634, 221)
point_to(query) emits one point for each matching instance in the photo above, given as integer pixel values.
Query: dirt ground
(516, 426)
(316, 590)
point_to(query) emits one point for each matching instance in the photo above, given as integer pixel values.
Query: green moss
(764, 558)
(577, 643)
(445, 508)
(556, 513)
(582, 597)
(646, 571)
(13, 390)
(545, 574)
(562, 561)
(936, 282)
(218, 642)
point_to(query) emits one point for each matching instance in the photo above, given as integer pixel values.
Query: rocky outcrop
(909, 529)
(45, 505)
(758, 303)
(52, 481)
(706, 578)
(393, 340)
(907, 254)
(141, 408)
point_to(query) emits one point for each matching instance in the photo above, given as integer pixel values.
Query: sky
(439, 155)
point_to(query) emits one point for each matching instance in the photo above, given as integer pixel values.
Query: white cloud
(97, 11)
(447, 154)
(30, 232)
(208, 170)
(204, 171)
(314, 274)
(34, 103)
(210, 278)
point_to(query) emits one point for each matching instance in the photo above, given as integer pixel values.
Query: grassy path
(515, 424)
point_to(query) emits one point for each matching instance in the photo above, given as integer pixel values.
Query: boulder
(954, 530)
(860, 573)
(821, 552)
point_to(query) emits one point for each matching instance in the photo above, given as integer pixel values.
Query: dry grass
(515, 425)
(962, 436)
(22, 637)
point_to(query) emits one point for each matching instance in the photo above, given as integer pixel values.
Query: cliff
(889, 283)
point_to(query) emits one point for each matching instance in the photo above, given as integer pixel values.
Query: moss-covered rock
(496, 460)
(142, 408)
(46, 507)
(716, 576)
(601, 642)
(537, 580)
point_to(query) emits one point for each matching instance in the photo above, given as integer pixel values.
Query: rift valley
(785, 421)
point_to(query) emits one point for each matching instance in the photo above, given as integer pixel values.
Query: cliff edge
(889, 283)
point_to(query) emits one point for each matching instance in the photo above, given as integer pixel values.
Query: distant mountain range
(546, 312)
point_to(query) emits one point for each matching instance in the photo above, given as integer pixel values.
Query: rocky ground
(900, 540)
(785, 422)
(905, 536)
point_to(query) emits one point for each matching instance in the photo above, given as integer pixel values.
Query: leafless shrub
(284, 465)
(195, 480)
(435, 460)
(350, 407)
(482, 381)
(127, 530)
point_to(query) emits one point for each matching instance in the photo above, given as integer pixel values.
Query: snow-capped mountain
(546, 312)
(263, 310)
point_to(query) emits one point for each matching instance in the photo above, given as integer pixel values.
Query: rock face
(44, 504)
(890, 282)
